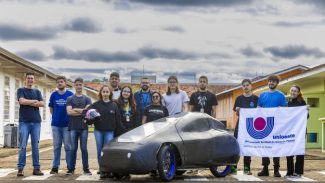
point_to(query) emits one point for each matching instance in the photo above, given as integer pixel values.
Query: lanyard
(127, 108)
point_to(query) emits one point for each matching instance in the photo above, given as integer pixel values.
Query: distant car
(171, 145)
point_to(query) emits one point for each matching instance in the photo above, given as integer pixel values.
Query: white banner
(272, 132)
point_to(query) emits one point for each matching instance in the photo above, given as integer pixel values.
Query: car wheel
(180, 172)
(166, 163)
(220, 171)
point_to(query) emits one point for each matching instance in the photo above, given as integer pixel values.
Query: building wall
(46, 132)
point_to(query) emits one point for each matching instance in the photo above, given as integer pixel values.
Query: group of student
(120, 111)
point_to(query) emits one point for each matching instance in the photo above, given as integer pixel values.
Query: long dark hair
(299, 97)
(177, 87)
(160, 98)
(120, 100)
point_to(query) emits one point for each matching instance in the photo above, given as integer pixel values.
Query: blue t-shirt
(58, 103)
(272, 99)
(27, 113)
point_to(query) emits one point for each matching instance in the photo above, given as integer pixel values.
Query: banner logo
(259, 128)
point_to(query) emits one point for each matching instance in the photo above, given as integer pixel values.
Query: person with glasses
(127, 108)
(142, 99)
(154, 111)
(175, 100)
(108, 121)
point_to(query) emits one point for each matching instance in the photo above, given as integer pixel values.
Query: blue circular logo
(259, 128)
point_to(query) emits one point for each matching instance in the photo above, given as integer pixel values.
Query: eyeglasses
(124, 91)
(172, 82)
(155, 96)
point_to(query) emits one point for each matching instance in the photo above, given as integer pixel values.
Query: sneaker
(247, 171)
(70, 172)
(54, 171)
(87, 172)
(295, 175)
(288, 176)
(233, 170)
(38, 172)
(277, 174)
(20, 173)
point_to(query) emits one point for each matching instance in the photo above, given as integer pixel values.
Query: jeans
(299, 166)
(34, 129)
(75, 136)
(102, 138)
(61, 134)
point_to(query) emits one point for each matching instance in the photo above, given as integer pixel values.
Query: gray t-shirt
(174, 102)
(76, 122)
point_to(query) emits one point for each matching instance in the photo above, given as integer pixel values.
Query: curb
(6, 152)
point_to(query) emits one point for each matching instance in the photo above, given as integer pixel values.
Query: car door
(197, 141)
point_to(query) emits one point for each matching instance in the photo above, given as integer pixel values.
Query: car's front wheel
(166, 163)
(220, 171)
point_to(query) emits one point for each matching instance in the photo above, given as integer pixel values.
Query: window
(17, 85)
(197, 125)
(6, 106)
(312, 137)
(313, 102)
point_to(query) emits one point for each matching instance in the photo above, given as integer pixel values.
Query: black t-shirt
(29, 113)
(246, 102)
(76, 122)
(205, 100)
(154, 112)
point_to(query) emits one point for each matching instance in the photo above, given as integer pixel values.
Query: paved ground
(314, 169)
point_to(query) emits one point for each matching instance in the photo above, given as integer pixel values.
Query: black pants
(299, 166)
(247, 159)
(266, 161)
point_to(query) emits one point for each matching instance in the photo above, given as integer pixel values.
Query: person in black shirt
(246, 100)
(108, 122)
(127, 108)
(203, 100)
(295, 100)
(156, 110)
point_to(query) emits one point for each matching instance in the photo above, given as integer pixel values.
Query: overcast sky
(226, 40)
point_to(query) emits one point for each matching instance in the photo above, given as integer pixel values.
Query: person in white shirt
(175, 100)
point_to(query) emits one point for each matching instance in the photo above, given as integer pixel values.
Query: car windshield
(144, 130)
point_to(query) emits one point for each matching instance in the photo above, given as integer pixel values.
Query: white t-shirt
(174, 102)
(116, 94)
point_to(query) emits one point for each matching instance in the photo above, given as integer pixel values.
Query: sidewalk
(7, 151)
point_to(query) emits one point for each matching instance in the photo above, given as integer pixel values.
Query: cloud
(32, 54)
(174, 28)
(294, 51)
(9, 31)
(123, 30)
(146, 52)
(204, 3)
(83, 24)
(94, 55)
(18, 32)
(250, 52)
(299, 23)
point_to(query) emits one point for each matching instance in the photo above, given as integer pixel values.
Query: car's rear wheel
(166, 163)
(220, 171)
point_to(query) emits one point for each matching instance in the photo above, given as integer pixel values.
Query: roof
(310, 72)
(262, 78)
(10, 61)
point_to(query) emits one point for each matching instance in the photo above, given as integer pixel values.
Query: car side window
(217, 124)
(197, 125)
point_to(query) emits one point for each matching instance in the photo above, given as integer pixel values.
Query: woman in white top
(175, 100)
